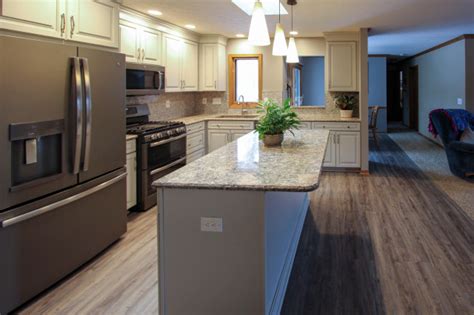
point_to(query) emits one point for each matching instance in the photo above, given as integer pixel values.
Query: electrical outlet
(204, 101)
(168, 104)
(211, 224)
(459, 101)
(216, 101)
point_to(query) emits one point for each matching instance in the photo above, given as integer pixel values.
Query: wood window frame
(232, 96)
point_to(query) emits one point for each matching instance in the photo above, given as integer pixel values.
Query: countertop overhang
(246, 164)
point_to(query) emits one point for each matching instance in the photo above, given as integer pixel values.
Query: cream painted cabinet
(131, 166)
(180, 58)
(236, 134)
(217, 139)
(41, 17)
(348, 149)
(139, 44)
(342, 66)
(189, 66)
(89, 21)
(212, 67)
(330, 157)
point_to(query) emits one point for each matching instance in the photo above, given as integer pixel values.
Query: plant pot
(346, 113)
(273, 140)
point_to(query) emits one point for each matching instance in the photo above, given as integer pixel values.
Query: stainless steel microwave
(145, 79)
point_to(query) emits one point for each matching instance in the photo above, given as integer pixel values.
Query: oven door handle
(155, 144)
(160, 169)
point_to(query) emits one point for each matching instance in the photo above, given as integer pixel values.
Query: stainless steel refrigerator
(62, 157)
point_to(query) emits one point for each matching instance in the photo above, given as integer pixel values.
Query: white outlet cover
(204, 101)
(459, 101)
(168, 104)
(211, 224)
(216, 101)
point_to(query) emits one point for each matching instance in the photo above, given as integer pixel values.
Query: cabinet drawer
(195, 127)
(305, 125)
(195, 155)
(195, 142)
(131, 146)
(335, 125)
(231, 124)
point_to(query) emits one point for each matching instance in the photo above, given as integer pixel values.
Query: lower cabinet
(131, 167)
(343, 150)
(221, 133)
(195, 141)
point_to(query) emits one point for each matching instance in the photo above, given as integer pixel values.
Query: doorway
(413, 97)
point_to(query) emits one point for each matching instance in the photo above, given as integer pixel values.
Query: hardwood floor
(388, 243)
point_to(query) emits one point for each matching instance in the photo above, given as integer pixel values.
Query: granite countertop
(130, 137)
(188, 120)
(246, 164)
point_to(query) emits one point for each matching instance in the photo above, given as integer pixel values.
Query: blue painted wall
(313, 81)
(378, 89)
(441, 81)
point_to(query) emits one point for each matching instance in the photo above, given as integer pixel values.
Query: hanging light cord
(279, 14)
(292, 18)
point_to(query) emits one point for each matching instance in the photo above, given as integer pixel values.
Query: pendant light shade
(279, 42)
(292, 56)
(258, 34)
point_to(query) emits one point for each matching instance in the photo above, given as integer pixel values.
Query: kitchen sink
(238, 116)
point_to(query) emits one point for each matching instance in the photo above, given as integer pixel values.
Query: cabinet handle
(184, 84)
(143, 54)
(215, 85)
(334, 139)
(139, 54)
(73, 25)
(63, 24)
(338, 139)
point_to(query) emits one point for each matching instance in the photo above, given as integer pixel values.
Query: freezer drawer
(41, 246)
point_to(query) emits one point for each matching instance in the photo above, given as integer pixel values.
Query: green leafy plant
(345, 101)
(277, 118)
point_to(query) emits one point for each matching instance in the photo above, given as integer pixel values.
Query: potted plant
(346, 104)
(275, 121)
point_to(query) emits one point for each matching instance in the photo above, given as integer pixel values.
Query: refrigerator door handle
(88, 101)
(60, 203)
(77, 98)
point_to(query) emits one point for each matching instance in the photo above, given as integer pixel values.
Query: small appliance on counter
(161, 149)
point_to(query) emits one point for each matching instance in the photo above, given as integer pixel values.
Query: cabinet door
(129, 42)
(151, 47)
(189, 69)
(172, 63)
(330, 157)
(131, 180)
(41, 17)
(93, 21)
(236, 134)
(208, 67)
(348, 149)
(342, 60)
(217, 139)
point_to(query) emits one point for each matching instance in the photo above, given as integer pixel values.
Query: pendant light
(292, 55)
(279, 41)
(258, 34)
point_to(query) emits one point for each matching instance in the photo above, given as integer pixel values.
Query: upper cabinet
(342, 66)
(212, 67)
(180, 58)
(88, 21)
(140, 44)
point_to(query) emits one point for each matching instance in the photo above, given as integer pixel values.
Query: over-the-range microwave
(145, 79)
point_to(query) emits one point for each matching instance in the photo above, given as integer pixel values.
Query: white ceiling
(397, 26)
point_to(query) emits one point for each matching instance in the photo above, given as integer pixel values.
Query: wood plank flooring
(388, 243)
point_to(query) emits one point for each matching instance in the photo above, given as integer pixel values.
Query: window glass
(247, 79)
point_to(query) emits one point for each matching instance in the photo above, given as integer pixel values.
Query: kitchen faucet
(242, 111)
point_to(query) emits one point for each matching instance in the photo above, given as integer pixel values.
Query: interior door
(34, 88)
(107, 133)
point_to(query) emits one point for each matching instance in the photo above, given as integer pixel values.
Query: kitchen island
(230, 222)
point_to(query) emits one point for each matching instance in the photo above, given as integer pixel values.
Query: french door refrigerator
(62, 157)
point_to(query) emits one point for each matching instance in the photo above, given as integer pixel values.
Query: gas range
(161, 149)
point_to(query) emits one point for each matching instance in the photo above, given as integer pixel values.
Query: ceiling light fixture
(293, 33)
(269, 6)
(155, 12)
(190, 26)
(292, 55)
(279, 41)
(258, 33)
(239, 35)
